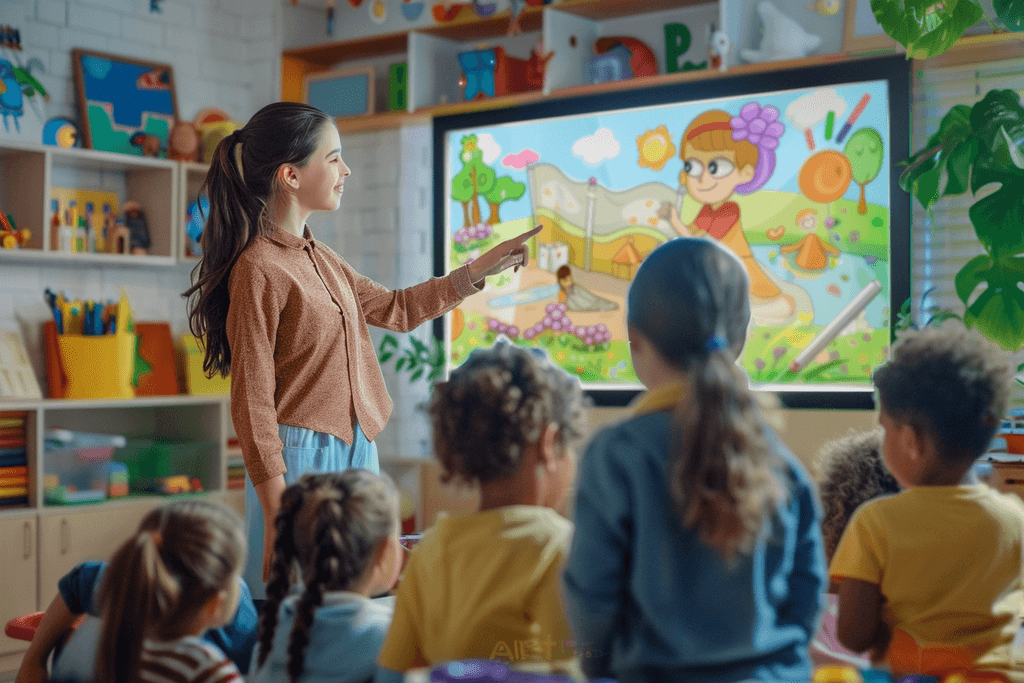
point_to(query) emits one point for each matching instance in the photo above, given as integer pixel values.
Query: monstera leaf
(998, 311)
(983, 147)
(1011, 13)
(926, 27)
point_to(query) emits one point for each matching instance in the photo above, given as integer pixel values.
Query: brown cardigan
(301, 353)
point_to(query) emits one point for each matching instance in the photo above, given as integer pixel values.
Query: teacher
(288, 317)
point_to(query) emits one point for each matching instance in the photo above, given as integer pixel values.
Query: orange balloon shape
(825, 176)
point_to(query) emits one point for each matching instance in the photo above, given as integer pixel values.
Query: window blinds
(944, 241)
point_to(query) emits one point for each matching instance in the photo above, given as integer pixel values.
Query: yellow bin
(98, 366)
(198, 383)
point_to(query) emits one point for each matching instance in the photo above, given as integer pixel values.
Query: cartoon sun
(656, 148)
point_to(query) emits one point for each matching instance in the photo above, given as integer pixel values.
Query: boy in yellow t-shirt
(931, 577)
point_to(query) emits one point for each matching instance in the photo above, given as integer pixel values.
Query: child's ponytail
(690, 300)
(722, 479)
(141, 594)
(183, 555)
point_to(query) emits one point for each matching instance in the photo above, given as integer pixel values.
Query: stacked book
(13, 460)
(236, 472)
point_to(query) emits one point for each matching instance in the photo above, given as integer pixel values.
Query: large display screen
(794, 172)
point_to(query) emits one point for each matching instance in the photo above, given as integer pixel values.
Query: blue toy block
(478, 66)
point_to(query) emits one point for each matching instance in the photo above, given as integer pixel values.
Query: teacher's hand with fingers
(510, 253)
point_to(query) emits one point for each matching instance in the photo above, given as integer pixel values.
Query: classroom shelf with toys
(551, 52)
(566, 36)
(85, 207)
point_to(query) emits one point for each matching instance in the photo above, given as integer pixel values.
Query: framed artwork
(862, 32)
(123, 102)
(824, 233)
(341, 92)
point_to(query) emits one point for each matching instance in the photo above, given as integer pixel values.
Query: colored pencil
(830, 121)
(854, 115)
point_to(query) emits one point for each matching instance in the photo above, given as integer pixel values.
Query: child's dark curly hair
(495, 405)
(951, 384)
(850, 471)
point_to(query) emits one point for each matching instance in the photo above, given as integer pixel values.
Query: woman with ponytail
(164, 588)
(336, 545)
(697, 554)
(288, 317)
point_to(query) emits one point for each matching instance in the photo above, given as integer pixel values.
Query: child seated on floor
(336, 545)
(173, 581)
(931, 578)
(850, 470)
(76, 598)
(485, 585)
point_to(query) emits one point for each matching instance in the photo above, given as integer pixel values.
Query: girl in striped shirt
(169, 583)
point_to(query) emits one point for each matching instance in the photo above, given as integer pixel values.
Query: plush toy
(783, 38)
(183, 142)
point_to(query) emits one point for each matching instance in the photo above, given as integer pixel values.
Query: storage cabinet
(18, 579)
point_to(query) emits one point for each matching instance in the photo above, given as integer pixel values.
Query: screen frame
(896, 70)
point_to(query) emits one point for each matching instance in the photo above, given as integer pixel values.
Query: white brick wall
(226, 53)
(207, 42)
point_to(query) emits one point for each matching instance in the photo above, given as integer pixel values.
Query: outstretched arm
(58, 622)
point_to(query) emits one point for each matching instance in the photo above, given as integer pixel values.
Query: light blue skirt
(304, 451)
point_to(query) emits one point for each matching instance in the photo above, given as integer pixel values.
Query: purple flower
(547, 321)
(493, 324)
(589, 341)
(513, 331)
(529, 334)
(759, 364)
(779, 352)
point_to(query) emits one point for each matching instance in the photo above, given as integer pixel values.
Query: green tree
(476, 178)
(864, 149)
(504, 189)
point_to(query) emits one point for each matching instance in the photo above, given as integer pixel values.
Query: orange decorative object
(776, 233)
(458, 321)
(825, 176)
(183, 142)
(156, 349)
(642, 62)
(447, 11)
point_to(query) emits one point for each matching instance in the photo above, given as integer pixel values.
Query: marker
(809, 136)
(853, 117)
(832, 330)
(830, 121)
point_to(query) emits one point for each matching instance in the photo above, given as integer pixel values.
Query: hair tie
(716, 342)
(236, 147)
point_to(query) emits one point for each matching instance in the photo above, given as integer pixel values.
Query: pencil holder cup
(98, 367)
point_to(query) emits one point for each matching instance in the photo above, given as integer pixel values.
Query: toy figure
(811, 250)
(536, 65)
(149, 144)
(138, 230)
(10, 236)
(183, 142)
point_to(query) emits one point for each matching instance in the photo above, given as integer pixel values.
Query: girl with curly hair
(336, 545)
(485, 585)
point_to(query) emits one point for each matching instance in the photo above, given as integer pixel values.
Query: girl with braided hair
(485, 585)
(336, 545)
(697, 554)
(725, 155)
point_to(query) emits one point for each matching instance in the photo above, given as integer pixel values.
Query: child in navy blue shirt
(697, 554)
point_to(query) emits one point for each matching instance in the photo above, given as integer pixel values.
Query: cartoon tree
(476, 178)
(504, 189)
(864, 149)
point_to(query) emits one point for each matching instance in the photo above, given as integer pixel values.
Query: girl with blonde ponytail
(697, 554)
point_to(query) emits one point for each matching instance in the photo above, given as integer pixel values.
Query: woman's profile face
(711, 176)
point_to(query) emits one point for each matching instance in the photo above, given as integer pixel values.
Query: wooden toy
(10, 236)
(398, 87)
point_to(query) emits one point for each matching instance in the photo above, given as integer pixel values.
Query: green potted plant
(420, 360)
(930, 27)
(976, 147)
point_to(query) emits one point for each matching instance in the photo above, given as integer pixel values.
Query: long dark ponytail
(690, 300)
(241, 185)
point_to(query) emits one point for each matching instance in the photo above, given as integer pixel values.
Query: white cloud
(597, 148)
(809, 110)
(489, 147)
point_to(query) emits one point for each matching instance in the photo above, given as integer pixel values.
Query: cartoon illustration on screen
(764, 175)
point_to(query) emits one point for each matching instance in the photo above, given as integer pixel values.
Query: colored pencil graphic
(830, 121)
(853, 117)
